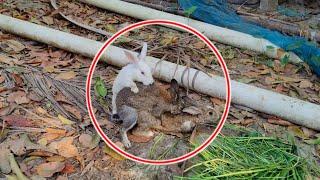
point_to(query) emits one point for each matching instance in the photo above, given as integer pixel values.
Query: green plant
(100, 87)
(251, 156)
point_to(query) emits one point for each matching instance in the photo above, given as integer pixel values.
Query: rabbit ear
(143, 53)
(130, 57)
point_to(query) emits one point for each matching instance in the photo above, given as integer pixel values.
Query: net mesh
(217, 12)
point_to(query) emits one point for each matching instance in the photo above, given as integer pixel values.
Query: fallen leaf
(47, 19)
(41, 111)
(49, 69)
(280, 122)
(43, 141)
(199, 45)
(73, 110)
(5, 164)
(34, 97)
(19, 97)
(68, 169)
(111, 28)
(139, 139)
(18, 80)
(2, 78)
(113, 153)
(56, 131)
(56, 158)
(41, 154)
(61, 178)
(247, 122)
(269, 127)
(86, 140)
(217, 101)
(308, 132)
(168, 39)
(12, 46)
(17, 121)
(48, 169)
(52, 134)
(7, 60)
(65, 147)
(66, 75)
(246, 80)
(305, 84)
(297, 132)
(65, 120)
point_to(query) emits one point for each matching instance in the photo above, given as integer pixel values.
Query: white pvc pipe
(294, 110)
(213, 32)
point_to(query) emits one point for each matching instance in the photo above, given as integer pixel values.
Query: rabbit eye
(142, 72)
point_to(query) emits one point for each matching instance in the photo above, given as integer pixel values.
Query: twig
(15, 168)
(96, 30)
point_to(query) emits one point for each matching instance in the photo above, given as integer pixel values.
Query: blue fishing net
(217, 12)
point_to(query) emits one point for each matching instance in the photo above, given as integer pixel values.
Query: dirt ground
(47, 127)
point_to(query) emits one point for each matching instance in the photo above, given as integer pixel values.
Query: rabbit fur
(137, 70)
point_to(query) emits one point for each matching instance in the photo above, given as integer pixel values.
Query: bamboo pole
(215, 33)
(294, 110)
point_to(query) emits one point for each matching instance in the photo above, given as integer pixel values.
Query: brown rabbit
(151, 107)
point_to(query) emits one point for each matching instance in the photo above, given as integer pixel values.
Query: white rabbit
(136, 70)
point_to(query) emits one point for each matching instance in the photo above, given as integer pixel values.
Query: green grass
(250, 157)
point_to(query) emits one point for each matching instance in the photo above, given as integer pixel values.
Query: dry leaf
(41, 111)
(65, 120)
(41, 154)
(68, 169)
(62, 178)
(139, 139)
(65, 147)
(17, 121)
(85, 140)
(43, 141)
(269, 127)
(217, 101)
(47, 19)
(297, 132)
(199, 45)
(7, 60)
(56, 131)
(280, 122)
(48, 169)
(5, 164)
(34, 97)
(53, 134)
(113, 153)
(305, 84)
(19, 97)
(11, 46)
(73, 110)
(66, 75)
(49, 69)
(308, 132)
(56, 158)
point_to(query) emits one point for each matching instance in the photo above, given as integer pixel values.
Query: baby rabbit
(137, 70)
(144, 108)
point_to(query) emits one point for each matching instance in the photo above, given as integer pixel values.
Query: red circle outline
(223, 117)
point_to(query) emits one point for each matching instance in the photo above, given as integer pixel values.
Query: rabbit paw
(126, 143)
(135, 89)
